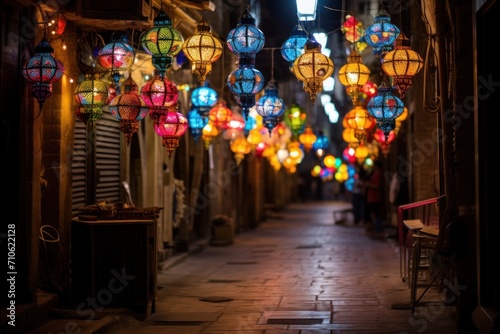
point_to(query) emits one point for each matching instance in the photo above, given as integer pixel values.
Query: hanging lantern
(41, 71)
(245, 82)
(312, 68)
(354, 75)
(116, 57)
(170, 127)
(246, 38)
(163, 42)
(382, 34)
(240, 147)
(294, 45)
(385, 107)
(295, 118)
(295, 152)
(307, 138)
(348, 135)
(204, 98)
(360, 120)
(196, 124)
(158, 94)
(384, 139)
(208, 134)
(361, 152)
(321, 144)
(202, 49)
(91, 95)
(128, 108)
(402, 64)
(270, 107)
(220, 115)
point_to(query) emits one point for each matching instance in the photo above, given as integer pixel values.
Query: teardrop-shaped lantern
(158, 94)
(128, 108)
(402, 64)
(202, 49)
(270, 106)
(91, 95)
(116, 57)
(170, 127)
(246, 38)
(382, 34)
(312, 68)
(163, 42)
(42, 70)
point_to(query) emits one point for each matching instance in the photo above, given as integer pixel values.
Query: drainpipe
(446, 134)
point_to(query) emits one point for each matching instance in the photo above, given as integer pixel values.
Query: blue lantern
(382, 34)
(294, 45)
(196, 123)
(203, 99)
(245, 82)
(270, 107)
(246, 38)
(321, 144)
(385, 107)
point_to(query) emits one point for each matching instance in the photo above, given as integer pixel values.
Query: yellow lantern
(209, 132)
(360, 120)
(202, 49)
(316, 171)
(240, 147)
(312, 68)
(295, 152)
(350, 138)
(354, 75)
(361, 153)
(402, 64)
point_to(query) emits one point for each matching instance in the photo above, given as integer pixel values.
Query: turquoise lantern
(246, 38)
(294, 45)
(203, 99)
(385, 107)
(382, 34)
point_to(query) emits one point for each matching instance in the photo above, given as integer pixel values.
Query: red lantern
(128, 108)
(220, 115)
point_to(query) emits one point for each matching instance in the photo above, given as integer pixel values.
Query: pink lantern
(170, 127)
(159, 93)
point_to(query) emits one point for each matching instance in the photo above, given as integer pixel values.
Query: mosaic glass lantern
(245, 82)
(116, 57)
(382, 34)
(163, 42)
(202, 49)
(354, 75)
(246, 38)
(220, 115)
(294, 45)
(91, 95)
(41, 71)
(171, 127)
(196, 123)
(128, 108)
(385, 107)
(203, 99)
(270, 107)
(158, 94)
(402, 64)
(312, 68)
(240, 147)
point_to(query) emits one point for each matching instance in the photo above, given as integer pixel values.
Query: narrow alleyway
(298, 272)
